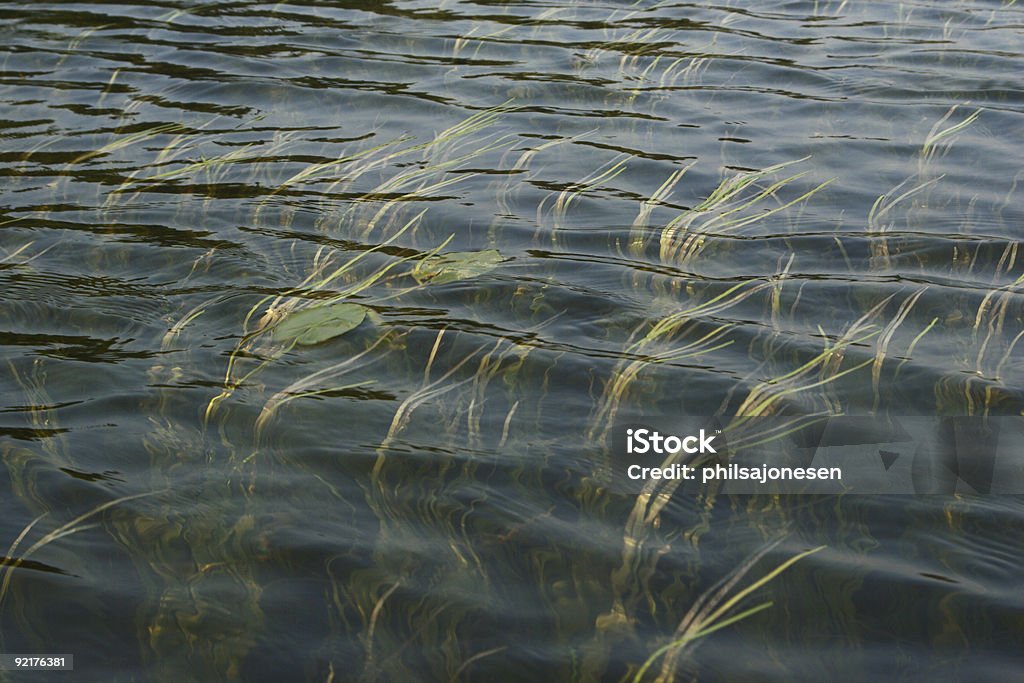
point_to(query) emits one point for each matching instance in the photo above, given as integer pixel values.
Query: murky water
(655, 208)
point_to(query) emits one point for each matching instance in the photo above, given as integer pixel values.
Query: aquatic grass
(475, 658)
(691, 73)
(427, 392)
(124, 141)
(421, 180)
(887, 202)
(828, 7)
(727, 209)
(176, 329)
(420, 192)
(658, 198)
(637, 352)
(11, 259)
(626, 373)
(445, 143)
(776, 294)
(527, 156)
(1007, 355)
(14, 254)
(188, 142)
(1007, 262)
(338, 167)
(197, 557)
(641, 42)
(941, 139)
(711, 612)
(938, 141)
(9, 557)
(431, 622)
(67, 529)
(650, 45)
(311, 385)
(433, 499)
(615, 37)
(277, 307)
(34, 386)
(992, 313)
(509, 382)
(212, 166)
(885, 338)
(637, 562)
(505, 362)
(575, 190)
(520, 170)
(408, 185)
(628, 585)
(913, 345)
(764, 398)
(462, 41)
(636, 44)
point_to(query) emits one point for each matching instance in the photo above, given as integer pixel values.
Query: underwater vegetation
(291, 406)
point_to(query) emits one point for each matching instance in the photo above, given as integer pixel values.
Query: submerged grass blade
(714, 616)
(72, 527)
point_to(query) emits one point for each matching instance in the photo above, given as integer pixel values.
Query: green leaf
(317, 324)
(457, 265)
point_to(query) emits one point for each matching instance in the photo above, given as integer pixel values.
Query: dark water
(423, 497)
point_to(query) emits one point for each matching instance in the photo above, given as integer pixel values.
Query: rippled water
(782, 208)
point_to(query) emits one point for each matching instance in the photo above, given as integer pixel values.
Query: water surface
(697, 207)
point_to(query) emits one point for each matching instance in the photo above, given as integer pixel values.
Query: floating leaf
(457, 265)
(319, 323)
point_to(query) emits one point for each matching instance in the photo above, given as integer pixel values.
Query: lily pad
(317, 324)
(457, 265)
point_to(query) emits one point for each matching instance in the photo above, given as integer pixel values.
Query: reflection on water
(316, 316)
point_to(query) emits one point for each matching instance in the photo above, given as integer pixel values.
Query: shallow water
(438, 508)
